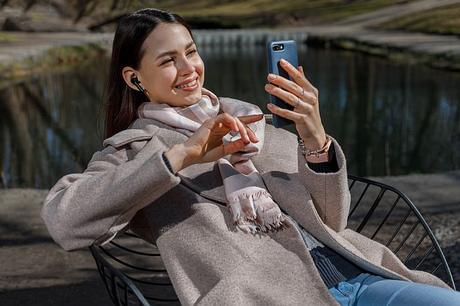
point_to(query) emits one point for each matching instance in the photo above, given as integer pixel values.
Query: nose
(185, 66)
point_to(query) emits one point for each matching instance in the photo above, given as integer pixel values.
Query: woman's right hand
(206, 145)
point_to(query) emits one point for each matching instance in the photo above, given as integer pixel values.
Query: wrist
(177, 157)
(319, 155)
(314, 143)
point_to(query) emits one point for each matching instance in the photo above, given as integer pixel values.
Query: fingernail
(283, 61)
(268, 86)
(271, 76)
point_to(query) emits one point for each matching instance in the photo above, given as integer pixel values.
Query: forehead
(166, 37)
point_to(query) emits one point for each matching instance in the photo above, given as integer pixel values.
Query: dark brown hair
(121, 100)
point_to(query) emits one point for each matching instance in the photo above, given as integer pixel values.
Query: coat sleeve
(91, 207)
(329, 191)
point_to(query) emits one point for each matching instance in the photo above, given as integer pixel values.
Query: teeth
(191, 84)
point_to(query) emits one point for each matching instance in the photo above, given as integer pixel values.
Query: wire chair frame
(404, 231)
(127, 256)
(125, 289)
(119, 287)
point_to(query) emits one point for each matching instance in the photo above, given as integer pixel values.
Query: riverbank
(28, 53)
(23, 54)
(36, 271)
(436, 51)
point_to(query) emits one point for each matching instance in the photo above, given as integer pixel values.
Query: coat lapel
(205, 179)
(289, 193)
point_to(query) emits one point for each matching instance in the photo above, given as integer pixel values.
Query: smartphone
(276, 50)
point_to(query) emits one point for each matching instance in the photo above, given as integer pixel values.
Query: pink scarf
(250, 204)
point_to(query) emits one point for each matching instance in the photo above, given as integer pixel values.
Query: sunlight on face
(171, 70)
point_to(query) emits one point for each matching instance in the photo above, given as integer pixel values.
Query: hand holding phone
(293, 100)
(277, 50)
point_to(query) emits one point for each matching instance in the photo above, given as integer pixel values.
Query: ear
(127, 73)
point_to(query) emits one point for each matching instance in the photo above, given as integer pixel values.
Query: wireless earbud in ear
(137, 83)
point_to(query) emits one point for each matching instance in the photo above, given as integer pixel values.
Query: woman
(241, 213)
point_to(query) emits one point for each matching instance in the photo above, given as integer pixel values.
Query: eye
(192, 51)
(166, 61)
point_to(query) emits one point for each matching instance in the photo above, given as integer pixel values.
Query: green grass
(442, 20)
(250, 13)
(8, 37)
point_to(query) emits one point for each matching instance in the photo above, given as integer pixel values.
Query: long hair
(121, 100)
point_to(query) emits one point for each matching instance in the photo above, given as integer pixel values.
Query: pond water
(390, 118)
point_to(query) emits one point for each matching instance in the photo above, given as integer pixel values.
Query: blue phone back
(289, 53)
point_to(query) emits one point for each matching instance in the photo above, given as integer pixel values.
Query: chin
(193, 98)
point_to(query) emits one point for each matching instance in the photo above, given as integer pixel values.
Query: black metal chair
(133, 273)
(386, 215)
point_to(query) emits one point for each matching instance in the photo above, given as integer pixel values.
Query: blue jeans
(373, 290)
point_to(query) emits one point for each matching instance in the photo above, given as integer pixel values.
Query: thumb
(250, 118)
(233, 146)
(223, 149)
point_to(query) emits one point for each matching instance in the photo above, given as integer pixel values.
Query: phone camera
(278, 47)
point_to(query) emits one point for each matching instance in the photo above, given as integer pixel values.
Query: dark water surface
(390, 119)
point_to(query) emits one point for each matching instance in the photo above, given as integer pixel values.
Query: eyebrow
(174, 52)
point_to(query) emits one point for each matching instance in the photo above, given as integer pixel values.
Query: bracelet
(308, 152)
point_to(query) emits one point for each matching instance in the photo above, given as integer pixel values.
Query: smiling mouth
(189, 85)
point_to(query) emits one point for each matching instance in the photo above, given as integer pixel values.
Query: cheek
(165, 78)
(200, 69)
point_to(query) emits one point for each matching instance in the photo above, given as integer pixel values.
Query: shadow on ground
(86, 293)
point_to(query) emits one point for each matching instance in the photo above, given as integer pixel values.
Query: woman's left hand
(303, 96)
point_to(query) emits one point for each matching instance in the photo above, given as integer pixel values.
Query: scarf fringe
(251, 217)
(254, 195)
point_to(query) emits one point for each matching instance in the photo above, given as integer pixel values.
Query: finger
(285, 113)
(300, 68)
(315, 91)
(251, 134)
(297, 76)
(289, 97)
(224, 149)
(228, 121)
(243, 131)
(250, 118)
(233, 147)
(286, 84)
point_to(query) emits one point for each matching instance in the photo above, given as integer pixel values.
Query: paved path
(34, 270)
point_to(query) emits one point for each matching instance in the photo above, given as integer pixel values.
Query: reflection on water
(48, 126)
(390, 119)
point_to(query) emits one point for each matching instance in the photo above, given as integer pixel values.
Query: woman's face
(171, 70)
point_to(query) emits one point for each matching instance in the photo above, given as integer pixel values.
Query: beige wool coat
(209, 262)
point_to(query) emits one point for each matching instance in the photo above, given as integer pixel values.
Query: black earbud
(137, 83)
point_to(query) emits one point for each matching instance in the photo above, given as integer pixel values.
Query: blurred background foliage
(101, 15)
